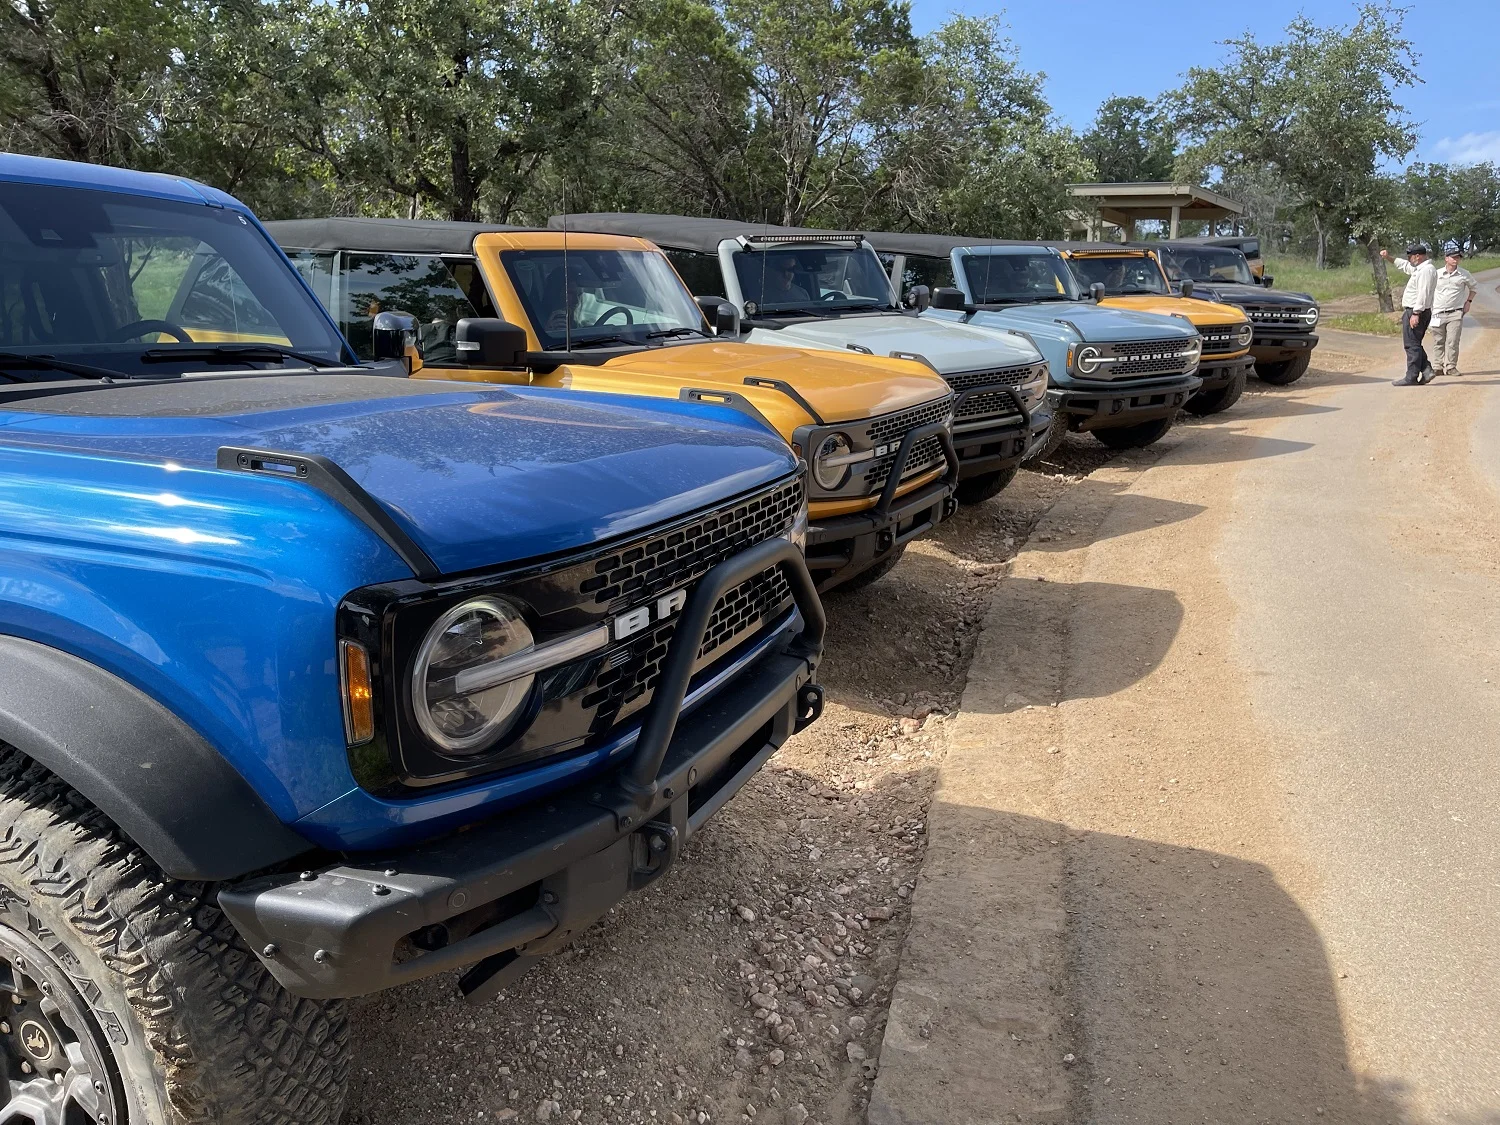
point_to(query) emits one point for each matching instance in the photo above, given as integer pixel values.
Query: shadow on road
(1186, 985)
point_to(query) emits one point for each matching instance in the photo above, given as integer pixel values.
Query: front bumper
(507, 891)
(1103, 406)
(991, 445)
(842, 547)
(1272, 346)
(1219, 373)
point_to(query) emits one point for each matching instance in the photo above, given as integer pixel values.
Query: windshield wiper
(596, 341)
(233, 353)
(1050, 297)
(683, 331)
(52, 363)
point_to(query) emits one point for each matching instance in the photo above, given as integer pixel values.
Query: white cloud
(1471, 148)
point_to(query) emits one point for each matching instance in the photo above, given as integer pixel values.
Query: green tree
(1131, 141)
(1319, 109)
(1440, 201)
(82, 79)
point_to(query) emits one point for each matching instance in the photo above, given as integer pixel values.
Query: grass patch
(1353, 280)
(1375, 323)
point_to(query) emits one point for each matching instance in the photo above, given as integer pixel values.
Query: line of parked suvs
(398, 603)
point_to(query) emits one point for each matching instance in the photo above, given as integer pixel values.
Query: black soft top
(390, 236)
(681, 232)
(1187, 244)
(1093, 246)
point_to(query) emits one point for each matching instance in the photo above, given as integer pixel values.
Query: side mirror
(919, 297)
(1096, 291)
(1266, 280)
(394, 335)
(1187, 287)
(722, 314)
(946, 297)
(484, 341)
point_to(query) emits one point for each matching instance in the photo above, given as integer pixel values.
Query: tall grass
(1353, 280)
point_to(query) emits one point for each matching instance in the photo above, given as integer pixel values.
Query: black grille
(1277, 316)
(924, 455)
(987, 404)
(1218, 338)
(896, 425)
(1147, 357)
(668, 561)
(633, 670)
(1009, 376)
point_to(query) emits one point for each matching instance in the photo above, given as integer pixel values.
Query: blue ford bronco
(1117, 374)
(316, 679)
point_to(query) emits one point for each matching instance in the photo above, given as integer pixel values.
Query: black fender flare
(163, 785)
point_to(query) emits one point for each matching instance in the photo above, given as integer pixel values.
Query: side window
(219, 306)
(316, 267)
(700, 271)
(439, 292)
(931, 272)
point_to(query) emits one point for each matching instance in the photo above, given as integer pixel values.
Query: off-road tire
(1285, 372)
(874, 574)
(1218, 399)
(1138, 436)
(198, 1031)
(1056, 432)
(977, 490)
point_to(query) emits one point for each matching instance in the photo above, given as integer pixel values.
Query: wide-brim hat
(1419, 248)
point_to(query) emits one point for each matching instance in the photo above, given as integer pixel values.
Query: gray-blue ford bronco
(316, 679)
(1117, 374)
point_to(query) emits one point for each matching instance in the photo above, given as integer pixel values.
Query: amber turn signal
(359, 695)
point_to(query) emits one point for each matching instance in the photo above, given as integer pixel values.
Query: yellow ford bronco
(1125, 277)
(608, 313)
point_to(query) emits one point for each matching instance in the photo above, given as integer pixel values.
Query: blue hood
(1094, 323)
(477, 477)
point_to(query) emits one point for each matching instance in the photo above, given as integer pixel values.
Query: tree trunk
(1322, 260)
(1382, 279)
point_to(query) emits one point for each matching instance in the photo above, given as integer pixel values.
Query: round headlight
(1310, 316)
(454, 703)
(830, 469)
(1242, 336)
(1088, 359)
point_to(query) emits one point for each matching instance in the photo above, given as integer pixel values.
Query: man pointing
(1452, 294)
(1416, 310)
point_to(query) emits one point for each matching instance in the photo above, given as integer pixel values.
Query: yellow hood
(1199, 312)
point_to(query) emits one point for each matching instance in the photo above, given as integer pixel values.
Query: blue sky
(1091, 49)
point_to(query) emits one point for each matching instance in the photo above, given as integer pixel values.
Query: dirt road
(1214, 839)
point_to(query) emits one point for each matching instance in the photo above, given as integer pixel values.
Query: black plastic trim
(326, 476)
(165, 787)
(790, 391)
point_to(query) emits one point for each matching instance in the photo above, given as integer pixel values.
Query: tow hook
(809, 705)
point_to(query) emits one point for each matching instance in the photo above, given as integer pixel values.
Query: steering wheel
(834, 295)
(141, 327)
(609, 312)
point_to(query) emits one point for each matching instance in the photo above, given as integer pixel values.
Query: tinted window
(439, 292)
(934, 273)
(1018, 278)
(81, 269)
(604, 296)
(1119, 276)
(782, 280)
(701, 272)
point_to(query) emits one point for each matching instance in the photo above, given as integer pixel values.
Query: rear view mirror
(484, 341)
(722, 314)
(946, 297)
(393, 335)
(1187, 287)
(1096, 291)
(919, 297)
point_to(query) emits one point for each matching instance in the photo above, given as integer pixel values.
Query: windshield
(785, 280)
(139, 286)
(999, 279)
(1206, 263)
(1119, 276)
(613, 296)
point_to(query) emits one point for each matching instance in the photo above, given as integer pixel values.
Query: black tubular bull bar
(520, 885)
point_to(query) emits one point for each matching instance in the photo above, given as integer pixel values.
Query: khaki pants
(1446, 329)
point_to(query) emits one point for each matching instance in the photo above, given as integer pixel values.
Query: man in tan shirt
(1452, 294)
